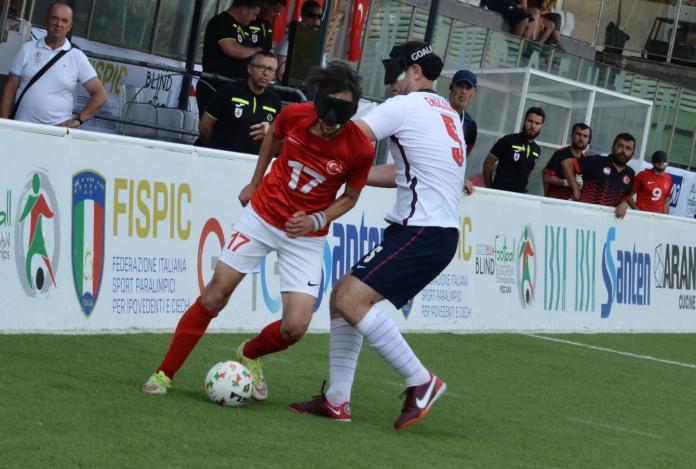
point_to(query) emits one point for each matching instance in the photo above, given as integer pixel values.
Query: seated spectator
(555, 184)
(261, 29)
(653, 188)
(551, 22)
(240, 114)
(606, 180)
(227, 47)
(516, 14)
(462, 90)
(50, 98)
(516, 155)
(310, 13)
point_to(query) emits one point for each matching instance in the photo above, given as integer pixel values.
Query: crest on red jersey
(334, 167)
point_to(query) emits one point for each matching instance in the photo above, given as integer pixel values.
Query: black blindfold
(334, 111)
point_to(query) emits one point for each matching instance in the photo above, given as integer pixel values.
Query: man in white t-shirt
(426, 138)
(50, 99)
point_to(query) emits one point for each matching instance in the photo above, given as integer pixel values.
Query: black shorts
(408, 259)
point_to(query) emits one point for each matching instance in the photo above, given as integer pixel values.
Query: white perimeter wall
(524, 263)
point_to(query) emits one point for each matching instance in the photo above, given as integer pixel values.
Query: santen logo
(626, 275)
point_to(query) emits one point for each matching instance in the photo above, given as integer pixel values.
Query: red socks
(269, 340)
(190, 329)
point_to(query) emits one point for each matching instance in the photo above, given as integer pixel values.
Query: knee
(214, 299)
(341, 300)
(292, 331)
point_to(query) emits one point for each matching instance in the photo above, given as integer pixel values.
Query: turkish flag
(280, 24)
(357, 22)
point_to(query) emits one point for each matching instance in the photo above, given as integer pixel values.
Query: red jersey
(310, 170)
(652, 190)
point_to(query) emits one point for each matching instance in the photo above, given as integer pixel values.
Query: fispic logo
(37, 235)
(585, 268)
(626, 275)
(526, 267)
(88, 214)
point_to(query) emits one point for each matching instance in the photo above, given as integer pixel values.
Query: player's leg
(300, 266)
(248, 244)
(408, 259)
(193, 325)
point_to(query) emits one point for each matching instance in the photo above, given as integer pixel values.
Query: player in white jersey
(427, 142)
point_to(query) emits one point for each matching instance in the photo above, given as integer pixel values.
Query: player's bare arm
(205, 128)
(468, 187)
(269, 147)
(383, 175)
(8, 95)
(569, 174)
(488, 169)
(302, 223)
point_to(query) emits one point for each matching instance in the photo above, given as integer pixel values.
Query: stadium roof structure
(565, 101)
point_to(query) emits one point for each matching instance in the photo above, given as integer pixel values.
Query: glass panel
(80, 15)
(209, 10)
(593, 73)
(579, 18)
(336, 33)
(646, 25)
(502, 51)
(125, 23)
(684, 129)
(685, 43)
(664, 111)
(173, 28)
(443, 27)
(420, 22)
(465, 48)
(614, 115)
(389, 24)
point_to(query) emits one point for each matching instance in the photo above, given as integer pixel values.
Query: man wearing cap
(461, 91)
(426, 138)
(652, 188)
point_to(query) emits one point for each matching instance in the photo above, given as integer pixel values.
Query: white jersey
(427, 142)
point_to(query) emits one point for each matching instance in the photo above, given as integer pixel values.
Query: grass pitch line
(615, 428)
(610, 350)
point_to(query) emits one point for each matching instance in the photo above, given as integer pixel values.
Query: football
(229, 384)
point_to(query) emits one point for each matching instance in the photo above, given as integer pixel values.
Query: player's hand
(468, 187)
(576, 194)
(299, 225)
(246, 194)
(70, 123)
(621, 210)
(259, 130)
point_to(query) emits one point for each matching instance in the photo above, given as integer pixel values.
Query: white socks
(344, 348)
(383, 336)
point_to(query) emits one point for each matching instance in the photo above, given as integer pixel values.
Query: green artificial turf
(513, 401)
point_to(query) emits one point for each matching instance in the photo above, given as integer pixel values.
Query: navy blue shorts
(408, 259)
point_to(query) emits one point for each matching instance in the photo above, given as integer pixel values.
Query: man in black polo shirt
(606, 180)
(555, 184)
(240, 114)
(516, 155)
(227, 47)
(261, 29)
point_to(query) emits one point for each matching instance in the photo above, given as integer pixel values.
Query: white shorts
(299, 259)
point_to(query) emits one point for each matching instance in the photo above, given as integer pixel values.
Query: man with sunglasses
(426, 138)
(240, 113)
(311, 14)
(289, 211)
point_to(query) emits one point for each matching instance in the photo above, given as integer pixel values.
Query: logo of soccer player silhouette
(37, 206)
(525, 252)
